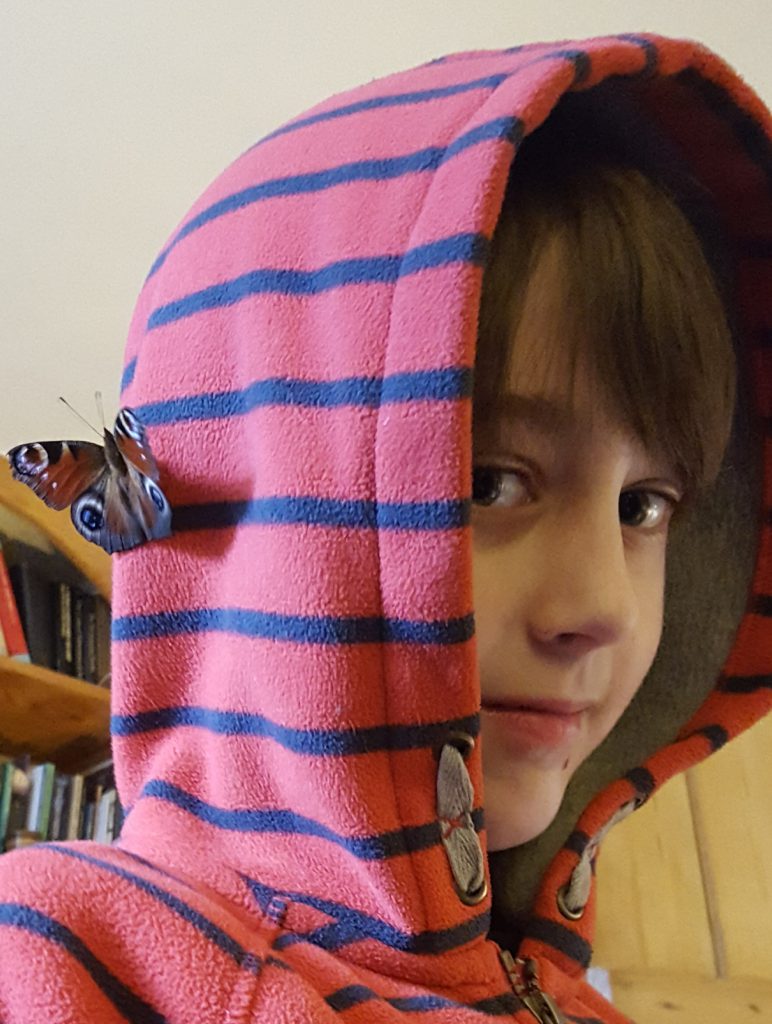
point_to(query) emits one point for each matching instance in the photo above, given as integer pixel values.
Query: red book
(9, 616)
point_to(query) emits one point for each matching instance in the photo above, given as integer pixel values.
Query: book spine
(6, 784)
(89, 614)
(74, 807)
(13, 632)
(46, 799)
(41, 795)
(58, 807)
(64, 657)
(78, 638)
(104, 817)
(20, 788)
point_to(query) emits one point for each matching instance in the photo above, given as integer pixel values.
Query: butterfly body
(112, 490)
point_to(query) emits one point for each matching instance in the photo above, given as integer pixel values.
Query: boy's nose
(585, 598)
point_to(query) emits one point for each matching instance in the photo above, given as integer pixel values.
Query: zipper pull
(524, 978)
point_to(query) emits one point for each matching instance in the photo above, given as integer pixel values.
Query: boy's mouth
(562, 708)
(538, 725)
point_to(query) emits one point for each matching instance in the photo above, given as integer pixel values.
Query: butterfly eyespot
(91, 515)
(157, 498)
(31, 458)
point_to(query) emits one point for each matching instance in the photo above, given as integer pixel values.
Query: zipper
(524, 978)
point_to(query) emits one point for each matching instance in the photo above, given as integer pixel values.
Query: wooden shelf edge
(57, 680)
(90, 560)
(52, 717)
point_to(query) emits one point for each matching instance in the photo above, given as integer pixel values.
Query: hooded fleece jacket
(295, 687)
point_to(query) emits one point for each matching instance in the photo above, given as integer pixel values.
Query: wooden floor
(685, 894)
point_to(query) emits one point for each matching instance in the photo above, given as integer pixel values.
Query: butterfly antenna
(83, 418)
(101, 408)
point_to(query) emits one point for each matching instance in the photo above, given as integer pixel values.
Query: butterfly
(112, 489)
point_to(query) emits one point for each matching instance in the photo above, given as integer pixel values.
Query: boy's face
(569, 571)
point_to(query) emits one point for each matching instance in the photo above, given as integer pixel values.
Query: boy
(598, 294)
(297, 692)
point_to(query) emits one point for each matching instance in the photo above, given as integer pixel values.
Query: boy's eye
(647, 509)
(491, 485)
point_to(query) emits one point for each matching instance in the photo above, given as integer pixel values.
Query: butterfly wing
(131, 440)
(57, 471)
(122, 510)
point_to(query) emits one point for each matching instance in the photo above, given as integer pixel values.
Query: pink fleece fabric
(288, 663)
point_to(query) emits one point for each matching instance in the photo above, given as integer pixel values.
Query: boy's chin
(518, 810)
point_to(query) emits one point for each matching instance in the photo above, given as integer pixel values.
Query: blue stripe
(403, 99)
(505, 1004)
(354, 995)
(508, 129)
(458, 58)
(307, 629)
(427, 515)
(287, 822)
(202, 924)
(350, 995)
(319, 742)
(130, 1006)
(579, 58)
(650, 52)
(425, 385)
(128, 373)
(463, 248)
(354, 925)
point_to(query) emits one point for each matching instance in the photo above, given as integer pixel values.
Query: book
(40, 797)
(84, 635)
(33, 598)
(13, 631)
(105, 817)
(78, 638)
(57, 822)
(64, 657)
(86, 616)
(6, 781)
(118, 823)
(74, 807)
(98, 781)
(18, 799)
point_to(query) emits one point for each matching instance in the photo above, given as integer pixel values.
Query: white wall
(115, 115)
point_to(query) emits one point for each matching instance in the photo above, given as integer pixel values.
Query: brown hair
(642, 304)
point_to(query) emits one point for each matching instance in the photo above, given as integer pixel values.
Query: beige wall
(115, 116)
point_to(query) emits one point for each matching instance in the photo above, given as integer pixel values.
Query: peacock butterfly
(112, 489)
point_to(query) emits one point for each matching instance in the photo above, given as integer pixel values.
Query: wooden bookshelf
(51, 716)
(90, 560)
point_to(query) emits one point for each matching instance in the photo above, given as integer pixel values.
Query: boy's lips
(537, 704)
(535, 726)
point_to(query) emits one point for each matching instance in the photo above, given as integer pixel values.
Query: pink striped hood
(289, 665)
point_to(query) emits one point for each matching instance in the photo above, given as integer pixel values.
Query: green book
(6, 783)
